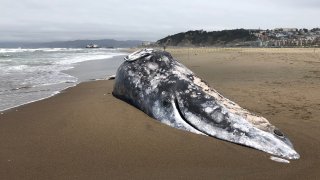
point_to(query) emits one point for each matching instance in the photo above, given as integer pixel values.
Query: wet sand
(86, 133)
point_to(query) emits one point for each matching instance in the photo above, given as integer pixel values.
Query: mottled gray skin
(166, 90)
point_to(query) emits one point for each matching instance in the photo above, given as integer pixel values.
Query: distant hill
(73, 44)
(214, 38)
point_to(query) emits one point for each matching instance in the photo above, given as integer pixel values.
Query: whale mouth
(185, 119)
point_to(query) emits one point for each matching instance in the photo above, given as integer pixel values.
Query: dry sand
(86, 133)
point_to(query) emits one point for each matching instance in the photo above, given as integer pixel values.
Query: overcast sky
(47, 20)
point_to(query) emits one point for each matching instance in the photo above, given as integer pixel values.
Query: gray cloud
(44, 20)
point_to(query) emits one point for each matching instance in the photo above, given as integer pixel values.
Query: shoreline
(86, 133)
(30, 102)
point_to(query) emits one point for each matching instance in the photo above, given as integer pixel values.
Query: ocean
(28, 75)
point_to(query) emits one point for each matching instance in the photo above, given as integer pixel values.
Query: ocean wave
(42, 68)
(36, 70)
(16, 50)
(89, 57)
(19, 50)
(5, 60)
(51, 76)
(4, 55)
(16, 68)
(58, 49)
(33, 80)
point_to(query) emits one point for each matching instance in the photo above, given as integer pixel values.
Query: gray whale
(154, 82)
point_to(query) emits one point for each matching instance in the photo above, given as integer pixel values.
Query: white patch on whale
(280, 160)
(208, 110)
(138, 54)
(152, 66)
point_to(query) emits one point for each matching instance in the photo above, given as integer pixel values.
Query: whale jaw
(239, 131)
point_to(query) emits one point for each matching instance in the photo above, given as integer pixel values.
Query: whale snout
(290, 154)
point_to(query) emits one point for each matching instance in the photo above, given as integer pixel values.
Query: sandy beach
(86, 133)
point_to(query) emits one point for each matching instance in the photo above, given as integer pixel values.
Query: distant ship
(92, 46)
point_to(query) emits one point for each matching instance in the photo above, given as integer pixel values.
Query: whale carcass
(156, 83)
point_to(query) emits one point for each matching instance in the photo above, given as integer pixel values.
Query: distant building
(286, 29)
(92, 46)
(146, 43)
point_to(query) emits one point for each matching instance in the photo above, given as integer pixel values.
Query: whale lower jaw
(257, 142)
(258, 139)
